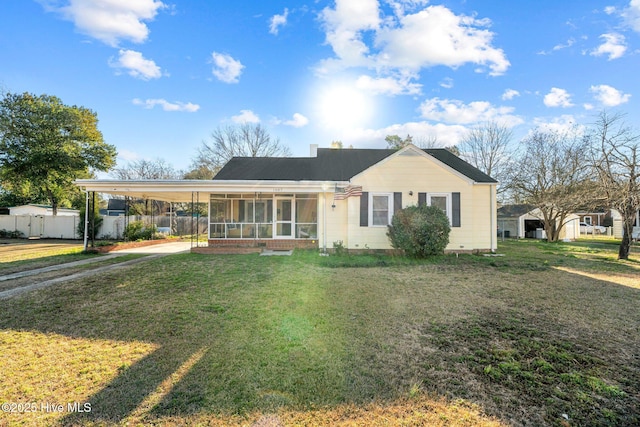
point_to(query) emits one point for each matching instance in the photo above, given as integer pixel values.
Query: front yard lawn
(546, 335)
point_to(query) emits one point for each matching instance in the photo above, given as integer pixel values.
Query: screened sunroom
(263, 216)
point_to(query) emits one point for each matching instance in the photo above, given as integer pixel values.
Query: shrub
(15, 234)
(136, 230)
(339, 249)
(420, 231)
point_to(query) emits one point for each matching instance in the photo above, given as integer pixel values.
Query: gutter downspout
(491, 215)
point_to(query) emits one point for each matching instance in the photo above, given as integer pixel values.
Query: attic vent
(409, 153)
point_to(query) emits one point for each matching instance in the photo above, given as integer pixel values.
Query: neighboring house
(43, 210)
(600, 217)
(116, 207)
(525, 221)
(335, 195)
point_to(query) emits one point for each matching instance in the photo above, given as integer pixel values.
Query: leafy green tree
(394, 142)
(47, 144)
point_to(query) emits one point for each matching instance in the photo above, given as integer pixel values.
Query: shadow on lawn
(311, 345)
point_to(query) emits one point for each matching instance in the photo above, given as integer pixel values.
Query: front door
(284, 218)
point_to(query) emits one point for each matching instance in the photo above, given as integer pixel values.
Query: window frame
(390, 199)
(449, 204)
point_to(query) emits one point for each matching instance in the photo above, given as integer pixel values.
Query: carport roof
(184, 190)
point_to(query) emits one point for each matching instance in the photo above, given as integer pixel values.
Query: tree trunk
(550, 230)
(625, 244)
(53, 200)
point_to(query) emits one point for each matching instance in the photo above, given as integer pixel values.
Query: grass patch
(238, 339)
(63, 270)
(17, 256)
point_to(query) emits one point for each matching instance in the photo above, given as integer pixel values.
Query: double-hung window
(442, 201)
(380, 209)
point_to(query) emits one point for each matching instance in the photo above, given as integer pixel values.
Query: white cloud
(588, 106)
(609, 96)
(109, 20)
(610, 10)
(565, 123)
(614, 46)
(456, 111)
(166, 105)
(561, 46)
(127, 155)
(631, 15)
(402, 44)
(447, 83)
(444, 135)
(509, 94)
(344, 28)
(246, 116)
(436, 36)
(388, 85)
(298, 121)
(558, 98)
(225, 68)
(278, 21)
(136, 65)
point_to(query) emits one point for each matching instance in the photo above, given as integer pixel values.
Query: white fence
(43, 226)
(113, 226)
(66, 227)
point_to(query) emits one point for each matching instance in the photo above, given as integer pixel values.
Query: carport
(172, 191)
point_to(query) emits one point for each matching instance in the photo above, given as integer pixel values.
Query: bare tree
(616, 151)
(424, 141)
(486, 147)
(146, 169)
(552, 173)
(246, 140)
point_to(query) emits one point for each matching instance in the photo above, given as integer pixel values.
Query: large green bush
(420, 231)
(137, 230)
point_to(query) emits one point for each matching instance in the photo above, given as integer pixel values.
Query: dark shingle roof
(116, 204)
(329, 165)
(456, 163)
(514, 211)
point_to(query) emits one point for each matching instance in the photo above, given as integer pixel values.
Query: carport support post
(192, 213)
(93, 219)
(86, 222)
(198, 220)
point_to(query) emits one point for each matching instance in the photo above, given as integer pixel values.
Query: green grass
(17, 255)
(228, 339)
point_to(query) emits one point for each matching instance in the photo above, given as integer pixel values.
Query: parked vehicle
(591, 229)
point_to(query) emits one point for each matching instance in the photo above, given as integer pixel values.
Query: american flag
(348, 191)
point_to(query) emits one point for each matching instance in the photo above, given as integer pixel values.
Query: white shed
(42, 210)
(522, 221)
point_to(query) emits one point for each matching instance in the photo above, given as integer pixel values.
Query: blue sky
(162, 75)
